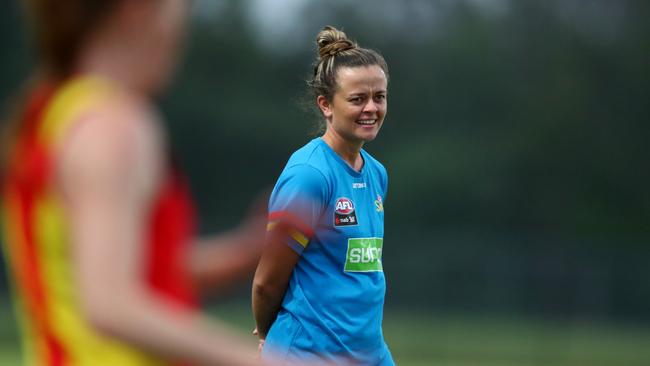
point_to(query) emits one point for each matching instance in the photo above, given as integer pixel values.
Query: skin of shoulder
(117, 145)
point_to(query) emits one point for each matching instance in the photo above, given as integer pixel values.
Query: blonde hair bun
(332, 41)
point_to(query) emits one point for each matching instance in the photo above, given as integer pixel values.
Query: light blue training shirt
(333, 307)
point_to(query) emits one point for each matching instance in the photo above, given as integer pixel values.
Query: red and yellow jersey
(37, 243)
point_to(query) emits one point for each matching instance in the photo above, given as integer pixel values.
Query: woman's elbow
(266, 289)
(106, 315)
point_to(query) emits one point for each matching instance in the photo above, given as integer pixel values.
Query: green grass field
(418, 338)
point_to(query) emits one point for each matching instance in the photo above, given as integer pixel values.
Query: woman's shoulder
(307, 167)
(113, 134)
(309, 158)
(93, 100)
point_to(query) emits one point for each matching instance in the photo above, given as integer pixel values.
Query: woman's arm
(271, 278)
(217, 261)
(108, 173)
(294, 210)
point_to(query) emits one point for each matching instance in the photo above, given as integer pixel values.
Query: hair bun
(332, 41)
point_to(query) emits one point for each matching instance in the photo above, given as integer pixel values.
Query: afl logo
(344, 212)
(344, 206)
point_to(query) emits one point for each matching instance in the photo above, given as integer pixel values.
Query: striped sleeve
(298, 201)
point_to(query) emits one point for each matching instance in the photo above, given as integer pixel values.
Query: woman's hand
(260, 345)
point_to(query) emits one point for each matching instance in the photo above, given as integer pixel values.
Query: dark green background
(516, 143)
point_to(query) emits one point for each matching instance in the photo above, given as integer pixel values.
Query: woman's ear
(325, 106)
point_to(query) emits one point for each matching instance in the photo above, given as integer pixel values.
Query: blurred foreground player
(98, 222)
(320, 295)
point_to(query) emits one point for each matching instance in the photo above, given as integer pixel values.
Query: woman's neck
(349, 152)
(106, 54)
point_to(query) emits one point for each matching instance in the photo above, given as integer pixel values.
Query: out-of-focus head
(350, 86)
(61, 27)
(141, 34)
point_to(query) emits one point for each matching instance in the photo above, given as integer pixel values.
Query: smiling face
(357, 110)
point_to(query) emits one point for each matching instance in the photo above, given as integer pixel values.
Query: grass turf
(419, 338)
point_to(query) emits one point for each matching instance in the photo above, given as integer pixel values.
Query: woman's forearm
(272, 278)
(217, 262)
(266, 304)
(159, 327)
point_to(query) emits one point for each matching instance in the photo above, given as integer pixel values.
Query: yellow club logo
(379, 204)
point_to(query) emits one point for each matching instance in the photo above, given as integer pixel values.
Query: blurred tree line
(515, 141)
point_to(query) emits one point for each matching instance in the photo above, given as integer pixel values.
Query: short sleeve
(298, 200)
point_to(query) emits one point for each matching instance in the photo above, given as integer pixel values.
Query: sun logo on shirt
(379, 204)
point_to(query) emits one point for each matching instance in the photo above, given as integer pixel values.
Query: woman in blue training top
(320, 295)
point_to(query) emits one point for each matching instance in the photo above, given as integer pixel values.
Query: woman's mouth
(366, 122)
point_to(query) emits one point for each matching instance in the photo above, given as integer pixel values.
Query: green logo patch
(364, 255)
